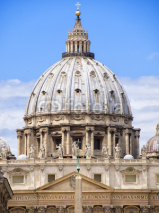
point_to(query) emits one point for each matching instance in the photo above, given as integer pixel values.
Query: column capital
(145, 209)
(118, 209)
(61, 209)
(30, 209)
(27, 131)
(41, 209)
(88, 209)
(107, 209)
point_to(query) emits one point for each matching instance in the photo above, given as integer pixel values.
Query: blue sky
(124, 36)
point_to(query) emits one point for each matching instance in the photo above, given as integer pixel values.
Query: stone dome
(153, 143)
(22, 157)
(78, 84)
(128, 157)
(3, 142)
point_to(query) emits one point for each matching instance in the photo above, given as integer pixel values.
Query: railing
(87, 54)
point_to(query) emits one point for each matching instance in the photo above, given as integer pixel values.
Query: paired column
(19, 136)
(85, 46)
(80, 46)
(137, 135)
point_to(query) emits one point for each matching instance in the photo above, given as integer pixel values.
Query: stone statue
(42, 152)
(88, 151)
(105, 151)
(4, 152)
(117, 151)
(32, 152)
(143, 151)
(74, 150)
(60, 150)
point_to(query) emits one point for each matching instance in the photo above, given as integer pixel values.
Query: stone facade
(79, 106)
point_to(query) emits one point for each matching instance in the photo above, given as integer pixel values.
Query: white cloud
(143, 94)
(152, 55)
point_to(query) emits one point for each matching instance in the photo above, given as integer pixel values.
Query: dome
(128, 157)
(153, 143)
(22, 157)
(78, 84)
(4, 143)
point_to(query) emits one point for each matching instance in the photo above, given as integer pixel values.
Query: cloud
(143, 94)
(152, 55)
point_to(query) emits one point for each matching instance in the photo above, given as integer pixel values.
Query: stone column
(127, 143)
(28, 142)
(66, 46)
(88, 46)
(117, 177)
(87, 136)
(75, 46)
(78, 194)
(109, 141)
(68, 141)
(84, 46)
(46, 142)
(63, 141)
(144, 177)
(92, 143)
(80, 46)
(137, 135)
(19, 136)
(31, 176)
(71, 46)
(118, 209)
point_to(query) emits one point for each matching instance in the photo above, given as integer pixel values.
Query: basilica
(78, 117)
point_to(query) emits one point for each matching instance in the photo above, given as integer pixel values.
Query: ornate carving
(18, 171)
(105, 76)
(88, 167)
(87, 209)
(72, 181)
(105, 151)
(32, 152)
(58, 117)
(61, 209)
(30, 209)
(29, 121)
(77, 117)
(143, 151)
(60, 168)
(130, 170)
(41, 209)
(118, 209)
(117, 168)
(51, 210)
(114, 119)
(126, 121)
(145, 209)
(41, 119)
(107, 209)
(92, 74)
(31, 168)
(97, 117)
(97, 209)
(117, 151)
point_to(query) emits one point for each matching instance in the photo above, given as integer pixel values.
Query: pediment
(67, 184)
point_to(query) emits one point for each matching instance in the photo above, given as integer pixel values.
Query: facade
(78, 106)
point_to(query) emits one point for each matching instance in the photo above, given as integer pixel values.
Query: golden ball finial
(78, 13)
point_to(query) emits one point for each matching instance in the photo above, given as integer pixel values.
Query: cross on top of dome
(78, 4)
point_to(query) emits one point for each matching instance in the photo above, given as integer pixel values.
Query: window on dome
(130, 178)
(57, 142)
(97, 177)
(51, 177)
(18, 179)
(157, 178)
(97, 143)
